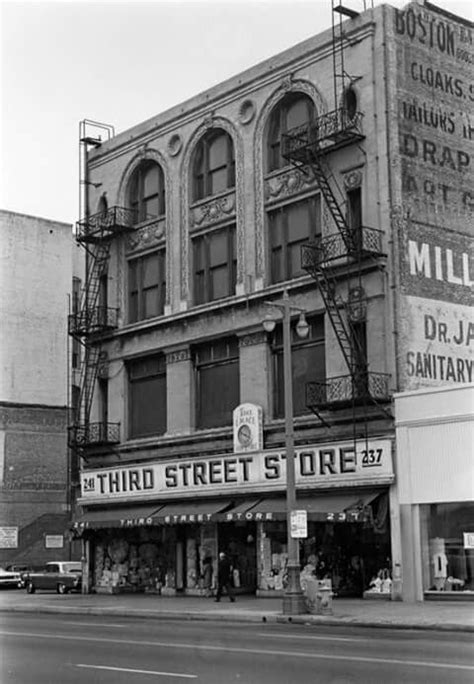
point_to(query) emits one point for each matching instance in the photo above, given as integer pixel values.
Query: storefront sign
(315, 466)
(299, 524)
(248, 428)
(8, 537)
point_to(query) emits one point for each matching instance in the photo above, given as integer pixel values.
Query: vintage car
(61, 576)
(9, 578)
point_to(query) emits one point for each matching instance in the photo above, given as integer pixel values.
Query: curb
(270, 618)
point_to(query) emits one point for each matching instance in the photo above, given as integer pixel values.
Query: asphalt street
(67, 649)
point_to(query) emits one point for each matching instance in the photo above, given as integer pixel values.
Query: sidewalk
(441, 615)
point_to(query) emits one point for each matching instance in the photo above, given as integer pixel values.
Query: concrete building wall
(35, 281)
(37, 261)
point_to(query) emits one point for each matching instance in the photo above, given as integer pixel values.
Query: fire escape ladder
(323, 175)
(88, 377)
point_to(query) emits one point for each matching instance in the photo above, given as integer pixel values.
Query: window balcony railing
(93, 435)
(106, 224)
(98, 319)
(346, 389)
(363, 242)
(330, 131)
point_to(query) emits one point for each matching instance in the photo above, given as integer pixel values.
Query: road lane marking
(254, 651)
(88, 624)
(148, 672)
(310, 636)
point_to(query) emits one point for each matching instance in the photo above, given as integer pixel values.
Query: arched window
(296, 109)
(213, 165)
(147, 192)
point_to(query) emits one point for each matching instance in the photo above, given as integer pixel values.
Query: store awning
(130, 516)
(191, 511)
(319, 507)
(239, 511)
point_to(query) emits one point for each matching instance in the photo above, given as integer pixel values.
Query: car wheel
(62, 589)
(30, 588)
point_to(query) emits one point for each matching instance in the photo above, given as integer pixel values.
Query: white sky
(121, 63)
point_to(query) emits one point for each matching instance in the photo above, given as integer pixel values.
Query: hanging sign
(299, 524)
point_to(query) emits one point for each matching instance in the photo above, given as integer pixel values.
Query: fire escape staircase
(306, 147)
(91, 321)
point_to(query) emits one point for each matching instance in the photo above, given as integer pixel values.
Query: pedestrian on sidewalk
(224, 579)
(207, 573)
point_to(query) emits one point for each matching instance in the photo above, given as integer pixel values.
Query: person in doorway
(207, 573)
(224, 579)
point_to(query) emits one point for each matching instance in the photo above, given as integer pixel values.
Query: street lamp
(293, 600)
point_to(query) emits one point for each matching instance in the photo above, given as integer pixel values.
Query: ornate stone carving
(353, 179)
(293, 85)
(212, 211)
(287, 82)
(258, 337)
(175, 145)
(178, 356)
(247, 112)
(147, 236)
(288, 183)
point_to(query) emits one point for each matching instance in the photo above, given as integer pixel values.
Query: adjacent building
(337, 174)
(37, 262)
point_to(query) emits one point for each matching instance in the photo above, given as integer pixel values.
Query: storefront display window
(354, 557)
(133, 561)
(448, 555)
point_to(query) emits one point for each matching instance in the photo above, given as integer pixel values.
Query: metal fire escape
(93, 318)
(344, 255)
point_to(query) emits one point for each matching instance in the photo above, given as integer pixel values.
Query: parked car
(9, 578)
(25, 572)
(62, 576)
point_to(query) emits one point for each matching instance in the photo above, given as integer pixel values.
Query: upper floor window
(308, 364)
(147, 396)
(294, 110)
(213, 164)
(215, 264)
(146, 286)
(289, 227)
(147, 192)
(216, 366)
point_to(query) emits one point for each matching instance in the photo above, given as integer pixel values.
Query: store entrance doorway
(238, 540)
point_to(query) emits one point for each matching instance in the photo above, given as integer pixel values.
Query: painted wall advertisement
(434, 209)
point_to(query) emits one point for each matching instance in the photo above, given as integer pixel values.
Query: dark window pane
(147, 396)
(151, 207)
(218, 181)
(297, 114)
(150, 181)
(308, 365)
(218, 152)
(218, 248)
(147, 286)
(213, 165)
(214, 265)
(216, 406)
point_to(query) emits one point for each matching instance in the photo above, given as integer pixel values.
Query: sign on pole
(299, 524)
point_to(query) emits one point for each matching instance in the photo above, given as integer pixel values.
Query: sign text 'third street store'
(319, 466)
